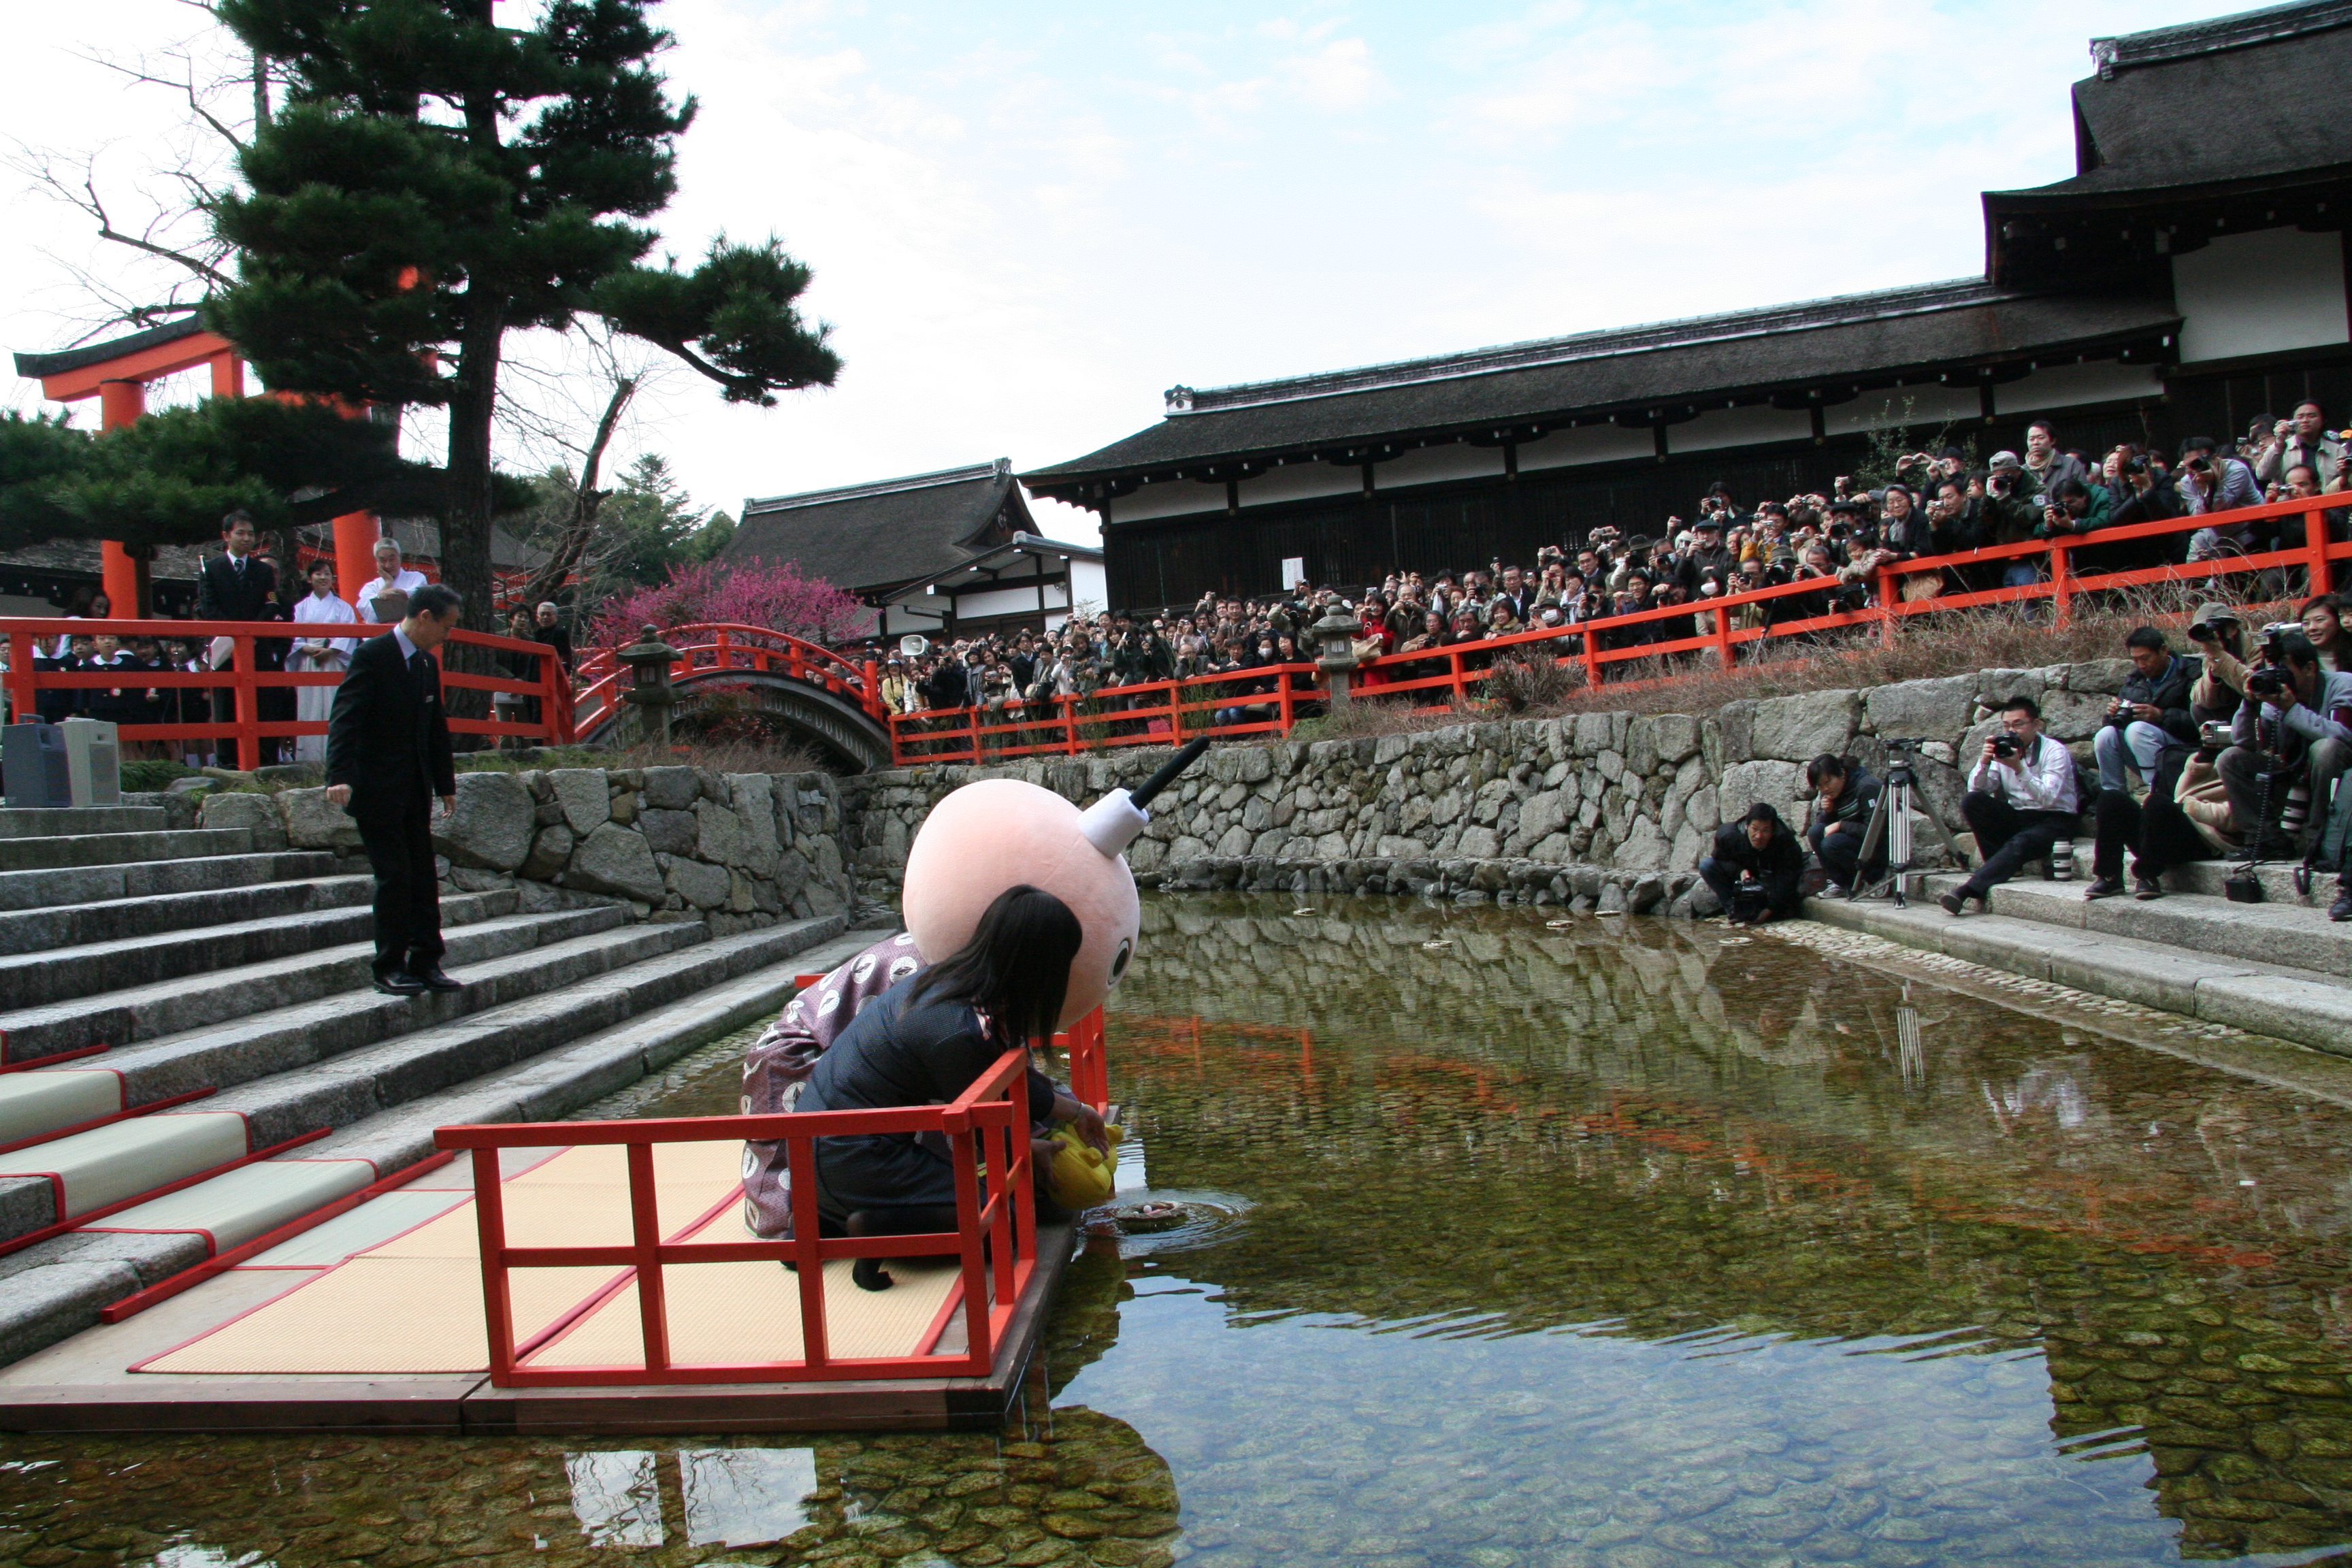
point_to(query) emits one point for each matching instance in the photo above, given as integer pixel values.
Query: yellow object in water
(1080, 1176)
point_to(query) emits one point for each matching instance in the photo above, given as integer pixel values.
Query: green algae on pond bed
(1608, 1244)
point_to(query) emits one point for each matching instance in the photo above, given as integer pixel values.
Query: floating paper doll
(980, 841)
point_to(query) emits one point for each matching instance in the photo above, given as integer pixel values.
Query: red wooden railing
(247, 728)
(725, 645)
(1160, 712)
(995, 1239)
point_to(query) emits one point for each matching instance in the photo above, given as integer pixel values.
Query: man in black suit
(234, 585)
(388, 755)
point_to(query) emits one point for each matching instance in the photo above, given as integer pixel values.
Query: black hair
(1828, 766)
(2066, 489)
(2293, 647)
(233, 518)
(2147, 636)
(1015, 968)
(2022, 703)
(435, 599)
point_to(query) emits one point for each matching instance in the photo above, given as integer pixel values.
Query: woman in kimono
(314, 653)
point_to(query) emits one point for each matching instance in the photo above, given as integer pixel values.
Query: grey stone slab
(737, 981)
(79, 923)
(240, 1050)
(146, 1012)
(115, 848)
(2308, 1011)
(58, 822)
(42, 1306)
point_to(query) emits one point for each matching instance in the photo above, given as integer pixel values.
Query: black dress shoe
(431, 978)
(2341, 909)
(400, 983)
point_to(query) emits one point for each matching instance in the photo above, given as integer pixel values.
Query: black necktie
(420, 664)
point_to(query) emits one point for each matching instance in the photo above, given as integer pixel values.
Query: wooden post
(490, 1218)
(1890, 593)
(2315, 542)
(874, 703)
(356, 533)
(248, 704)
(24, 700)
(644, 1224)
(1723, 652)
(120, 403)
(1592, 657)
(1069, 726)
(2062, 587)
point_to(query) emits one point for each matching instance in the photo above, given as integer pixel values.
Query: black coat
(387, 736)
(1779, 866)
(2171, 694)
(224, 593)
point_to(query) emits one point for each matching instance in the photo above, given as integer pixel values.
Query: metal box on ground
(93, 762)
(33, 759)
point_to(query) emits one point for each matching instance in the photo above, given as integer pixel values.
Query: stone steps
(51, 888)
(49, 854)
(2046, 931)
(327, 912)
(2291, 936)
(63, 821)
(224, 1054)
(506, 1065)
(78, 925)
(166, 1007)
(608, 1032)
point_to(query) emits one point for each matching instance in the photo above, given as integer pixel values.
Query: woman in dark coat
(924, 1042)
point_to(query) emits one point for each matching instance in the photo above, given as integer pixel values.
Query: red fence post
(1592, 654)
(2315, 541)
(1890, 594)
(1069, 726)
(23, 701)
(2062, 587)
(248, 712)
(874, 703)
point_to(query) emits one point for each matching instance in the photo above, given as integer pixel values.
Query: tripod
(1890, 823)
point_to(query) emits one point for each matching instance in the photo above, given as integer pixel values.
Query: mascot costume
(981, 840)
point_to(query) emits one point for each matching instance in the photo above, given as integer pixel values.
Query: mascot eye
(1118, 961)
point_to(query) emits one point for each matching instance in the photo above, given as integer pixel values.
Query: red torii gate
(117, 374)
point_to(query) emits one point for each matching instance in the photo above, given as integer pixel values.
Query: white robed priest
(314, 651)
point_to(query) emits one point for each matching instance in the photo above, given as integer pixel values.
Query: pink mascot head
(999, 833)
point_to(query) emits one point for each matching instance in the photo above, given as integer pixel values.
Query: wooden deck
(83, 1386)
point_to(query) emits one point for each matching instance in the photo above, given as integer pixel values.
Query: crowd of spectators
(1935, 503)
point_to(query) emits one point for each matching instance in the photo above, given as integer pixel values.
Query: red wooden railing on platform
(706, 646)
(247, 728)
(1266, 699)
(995, 1239)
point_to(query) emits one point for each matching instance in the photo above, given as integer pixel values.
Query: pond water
(1519, 1240)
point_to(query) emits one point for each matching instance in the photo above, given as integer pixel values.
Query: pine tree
(434, 181)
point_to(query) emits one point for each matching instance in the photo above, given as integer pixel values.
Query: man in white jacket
(2023, 801)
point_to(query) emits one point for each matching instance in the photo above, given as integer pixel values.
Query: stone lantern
(649, 660)
(1336, 634)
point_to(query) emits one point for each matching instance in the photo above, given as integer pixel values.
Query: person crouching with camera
(2150, 715)
(1757, 869)
(1843, 793)
(2022, 803)
(2290, 741)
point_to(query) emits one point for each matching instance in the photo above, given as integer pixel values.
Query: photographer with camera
(1757, 869)
(2302, 441)
(1843, 793)
(2291, 738)
(2013, 514)
(2221, 637)
(2022, 803)
(2150, 716)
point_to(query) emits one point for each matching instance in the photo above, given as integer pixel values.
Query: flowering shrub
(776, 597)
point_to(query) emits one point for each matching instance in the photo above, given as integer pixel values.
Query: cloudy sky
(1028, 219)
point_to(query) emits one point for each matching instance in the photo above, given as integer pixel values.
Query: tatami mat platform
(374, 1319)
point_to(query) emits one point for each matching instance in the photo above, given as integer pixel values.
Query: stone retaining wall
(1611, 809)
(738, 850)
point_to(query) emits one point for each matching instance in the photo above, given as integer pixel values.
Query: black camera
(2004, 745)
(2119, 713)
(2208, 631)
(2266, 682)
(1749, 901)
